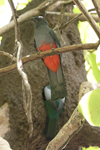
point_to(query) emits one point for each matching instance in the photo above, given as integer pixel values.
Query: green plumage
(52, 120)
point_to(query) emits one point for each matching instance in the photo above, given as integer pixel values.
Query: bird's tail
(54, 110)
(57, 84)
(51, 128)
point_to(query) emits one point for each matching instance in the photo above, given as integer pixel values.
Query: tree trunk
(11, 89)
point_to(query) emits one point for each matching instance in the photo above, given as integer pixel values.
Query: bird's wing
(55, 38)
(35, 45)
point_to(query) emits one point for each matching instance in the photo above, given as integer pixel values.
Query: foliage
(88, 103)
(89, 107)
(91, 148)
(91, 65)
(88, 35)
(23, 4)
(2, 2)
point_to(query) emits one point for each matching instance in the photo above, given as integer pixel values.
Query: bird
(54, 109)
(46, 39)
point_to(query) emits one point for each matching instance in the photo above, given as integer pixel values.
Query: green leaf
(76, 10)
(83, 29)
(87, 33)
(29, 1)
(23, 5)
(95, 70)
(2, 2)
(89, 107)
(91, 148)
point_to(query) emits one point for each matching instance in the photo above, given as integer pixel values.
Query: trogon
(46, 39)
(54, 109)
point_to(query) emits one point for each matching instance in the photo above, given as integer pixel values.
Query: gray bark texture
(11, 89)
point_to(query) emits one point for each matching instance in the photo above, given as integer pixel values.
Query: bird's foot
(38, 53)
(52, 49)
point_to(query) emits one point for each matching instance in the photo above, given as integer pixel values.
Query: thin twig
(8, 55)
(60, 50)
(27, 88)
(60, 18)
(69, 22)
(59, 24)
(60, 37)
(72, 15)
(68, 2)
(17, 35)
(24, 97)
(95, 3)
(88, 16)
(43, 6)
(73, 19)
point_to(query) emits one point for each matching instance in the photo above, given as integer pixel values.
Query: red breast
(52, 62)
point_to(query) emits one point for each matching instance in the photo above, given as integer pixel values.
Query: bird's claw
(52, 49)
(38, 53)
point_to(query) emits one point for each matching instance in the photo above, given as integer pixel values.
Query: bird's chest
(42, 35)
(45, 42)
(52, 62)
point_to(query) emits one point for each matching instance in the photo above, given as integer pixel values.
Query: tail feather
(51, 128)
(54, 109)
(57, 84)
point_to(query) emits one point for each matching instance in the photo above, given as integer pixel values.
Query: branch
(27, 104)
(60, 36)
(4, 145)
(68, 2)
(27, 87)
(71, 128)
(17, 36)
(72, 15)
(17, 32)
(96, 7)
(60, 23)
(36, 12)
(8, 55)
(60, 18)
(60, 50)
(75, 122)
(73, 19)
(22, 18)
(40, 10)
(88, 17)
